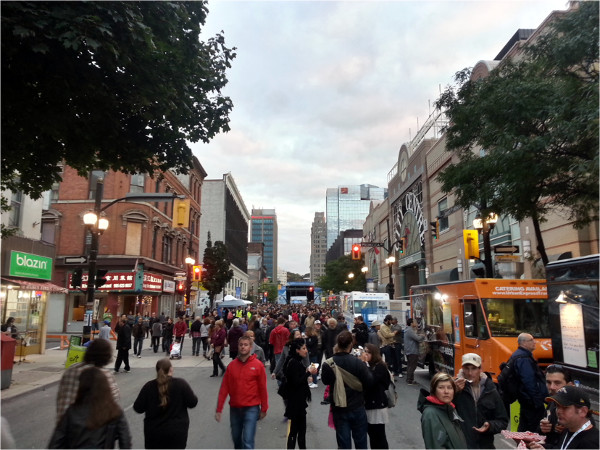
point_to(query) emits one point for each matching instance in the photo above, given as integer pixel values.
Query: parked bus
(573, 306)
(482, 316)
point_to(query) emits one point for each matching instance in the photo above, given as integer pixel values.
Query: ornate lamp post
(485, 226)
(390, 260)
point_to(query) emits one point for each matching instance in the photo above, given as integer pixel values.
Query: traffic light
(310, 296)
(181, 213)
(101, 278)
(180, 287)
(401, 245)
(435, 229)
(197, 273)
(76, 278)
(356, 252)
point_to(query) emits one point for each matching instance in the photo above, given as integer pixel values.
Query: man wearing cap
(478, 403)
(105, 331)
(557, 377)
(374, 333)
(574, 413)
(387, 342)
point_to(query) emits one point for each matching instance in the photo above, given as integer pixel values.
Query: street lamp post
(97, 225)
(485, 226)
(188, 285)
(390, 260)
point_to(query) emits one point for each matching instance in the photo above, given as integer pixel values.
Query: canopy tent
(232, 303)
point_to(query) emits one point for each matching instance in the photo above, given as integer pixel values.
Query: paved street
(31, 414)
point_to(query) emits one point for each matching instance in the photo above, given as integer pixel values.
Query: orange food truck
(482, 316)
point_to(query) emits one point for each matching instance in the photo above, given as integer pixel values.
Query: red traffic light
(356, 252)
(310, 289)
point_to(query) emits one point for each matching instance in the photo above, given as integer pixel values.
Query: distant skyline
(325, 93)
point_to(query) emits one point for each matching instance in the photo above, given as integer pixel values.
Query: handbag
(391, 394)
(210, 352)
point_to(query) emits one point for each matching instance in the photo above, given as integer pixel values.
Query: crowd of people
(301, 346)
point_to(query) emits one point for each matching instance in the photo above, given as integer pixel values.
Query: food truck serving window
(513, 316)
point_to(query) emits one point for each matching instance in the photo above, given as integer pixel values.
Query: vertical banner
(573, 338)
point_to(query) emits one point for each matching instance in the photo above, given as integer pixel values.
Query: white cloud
(325, 93)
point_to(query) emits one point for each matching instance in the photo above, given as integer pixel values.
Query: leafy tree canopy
(107, 85)
(336, 275)
(536, 123)
(217, 268)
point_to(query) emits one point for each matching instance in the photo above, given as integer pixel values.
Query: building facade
(142, 251)
(257, 272)
(225, 217)
(348, 206)
(264, 229)
(318, 247)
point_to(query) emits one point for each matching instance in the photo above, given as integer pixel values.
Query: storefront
(128, 293)
(24, 295)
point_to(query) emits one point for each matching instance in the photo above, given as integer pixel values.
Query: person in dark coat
(165, 402)
(233, 336)
(296, 374)
(167, 334)
(123, 345)
(376, 402)
(94, 420)
(479, 404)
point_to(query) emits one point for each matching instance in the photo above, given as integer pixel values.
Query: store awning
(35, 285)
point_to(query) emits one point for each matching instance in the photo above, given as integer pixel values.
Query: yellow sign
(181, 213)
(471, 242)
(508, 258)
(75, 355)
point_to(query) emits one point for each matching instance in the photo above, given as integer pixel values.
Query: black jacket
(312, 344)
(350, 363)
(166, 427)
(298, 390)
(361, 331)
(71, 431)
(489, 408)
(532, 390)
(124, 337)
(375, 397)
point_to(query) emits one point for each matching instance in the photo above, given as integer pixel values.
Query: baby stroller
(175, 352)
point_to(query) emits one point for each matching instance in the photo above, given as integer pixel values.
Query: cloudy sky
(325, 93)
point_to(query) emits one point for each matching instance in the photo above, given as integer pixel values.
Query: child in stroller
(175, 349)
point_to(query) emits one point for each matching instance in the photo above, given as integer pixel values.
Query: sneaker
(139, 356)
(400, 375)
(126, 370)
(312, 385)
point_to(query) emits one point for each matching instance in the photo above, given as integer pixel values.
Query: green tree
(271, 290)
(294, 277)
(336, 275)
(216, 265)
(107, 85)
(536, 123)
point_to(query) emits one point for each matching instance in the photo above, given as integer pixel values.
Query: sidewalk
(36, 372)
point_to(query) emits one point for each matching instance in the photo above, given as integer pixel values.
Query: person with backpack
(478, 403)
(376, 403)
(530, 381)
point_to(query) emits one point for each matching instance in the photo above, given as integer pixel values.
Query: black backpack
(508, 380)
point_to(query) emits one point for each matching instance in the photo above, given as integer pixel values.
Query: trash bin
(8, 359)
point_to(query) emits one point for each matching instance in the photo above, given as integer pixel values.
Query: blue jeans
(243, 425)
(351, 424)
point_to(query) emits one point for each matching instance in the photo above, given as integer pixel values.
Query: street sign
(180, 278)
(76, 259)
(506, 248)
(180, 274)
(508, 258)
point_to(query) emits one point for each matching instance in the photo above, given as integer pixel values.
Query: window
(475, 326)
(16, 202)
(137, 183)
(443, 218)
(167, 249)
(133, 243)
(94, 177)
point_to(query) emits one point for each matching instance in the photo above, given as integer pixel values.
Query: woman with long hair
(375, 399)
(217, 341)
(298, 392)
(204, 334)
(278, 372)
(95, 420)
(165, 401)
(440, 423)
(312, 344)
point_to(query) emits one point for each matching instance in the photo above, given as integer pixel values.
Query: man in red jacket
(180, 330)
(278, 338)
(245, 382)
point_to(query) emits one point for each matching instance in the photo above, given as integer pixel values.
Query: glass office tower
(264, 229)
(348, 207)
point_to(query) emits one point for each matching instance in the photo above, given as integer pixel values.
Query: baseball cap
(471, 358)
(570, 395)
(317, 321)
(376, 323)
(107, 322)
